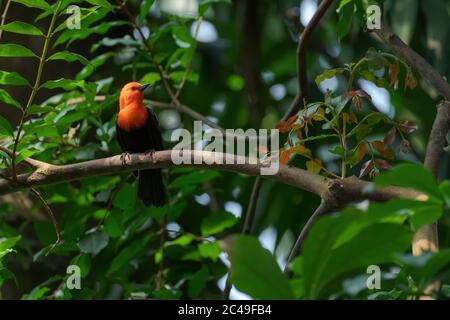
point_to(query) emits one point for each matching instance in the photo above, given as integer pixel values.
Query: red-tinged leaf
(299, 134)
(405, 146)
(283, 127)
(286, 126)
(366, 168)
(354, 118)
(378, 146)
(351, 94)
(361, 151)
(394, 71)
(389, 138)
(383, 150)
(357, 102)
(383, 164)
(314, 165)
(408, 127)
(363, 94)
(301, 150)
(292, 119)
(410, 80)
(285, 156)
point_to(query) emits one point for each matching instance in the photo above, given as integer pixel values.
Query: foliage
(125, 250)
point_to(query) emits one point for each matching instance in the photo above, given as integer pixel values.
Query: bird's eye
(134, 88)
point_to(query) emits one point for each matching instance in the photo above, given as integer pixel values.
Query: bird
(137, 130)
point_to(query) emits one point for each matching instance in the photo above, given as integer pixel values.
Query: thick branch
(426, 239)
(51, 174)
(415, 60)
(337, 191)
(438, 138)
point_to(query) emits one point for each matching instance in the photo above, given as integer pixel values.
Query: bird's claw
(124, 156)
(150, 153)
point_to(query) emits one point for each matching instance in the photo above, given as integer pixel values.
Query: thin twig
(302, 93)
(323, 208)
(5, 12)
(34, 90)
(29, 161)
(149, 48)
(51, 215)
(188, 68)
(162, 240)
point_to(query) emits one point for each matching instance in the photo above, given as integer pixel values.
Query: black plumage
(145, 139)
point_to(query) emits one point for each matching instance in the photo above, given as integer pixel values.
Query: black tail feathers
(151, 188)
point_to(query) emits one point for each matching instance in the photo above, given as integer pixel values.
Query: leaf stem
(34, 90)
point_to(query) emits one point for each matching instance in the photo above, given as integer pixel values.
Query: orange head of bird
(131, 94)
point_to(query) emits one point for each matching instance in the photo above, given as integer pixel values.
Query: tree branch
(301, 59)
(427, 237)
(437, 139)
(338, 192)
(322, 209)
(415, 60)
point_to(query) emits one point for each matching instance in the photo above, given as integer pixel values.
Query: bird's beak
(143, 87)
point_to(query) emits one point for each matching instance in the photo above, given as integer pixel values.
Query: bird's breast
(131, 118)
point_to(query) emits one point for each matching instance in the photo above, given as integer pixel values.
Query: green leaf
(125, 198)
(145, 8)
(150, 78)
(375, 59)
(235, 82)
(178, 76)
(401, 176)
(217, 222)
(328, 74)
(84, 263)
(5, 127)
(21, 28)
(205, 4)
(113, 225)
(198, 282)
(70, 36)
(69, 57)
(210, 250)
(94, 242)
(194, 178)
(346, 13)
(8, 243)
(7, 274)
(424, 268)
(65, 84)
(337, 245)
(255, 272)
(40, 4)
(95, 63)
(181, 36)
(101, 3)
(403, 18)
(108, 42)
(16, 51)
(13, 78)
(128, 253)
(6, 98)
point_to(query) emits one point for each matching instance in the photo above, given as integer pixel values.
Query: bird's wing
(119, 137)
(154, 131)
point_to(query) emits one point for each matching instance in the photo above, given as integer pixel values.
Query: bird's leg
(124, 156)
